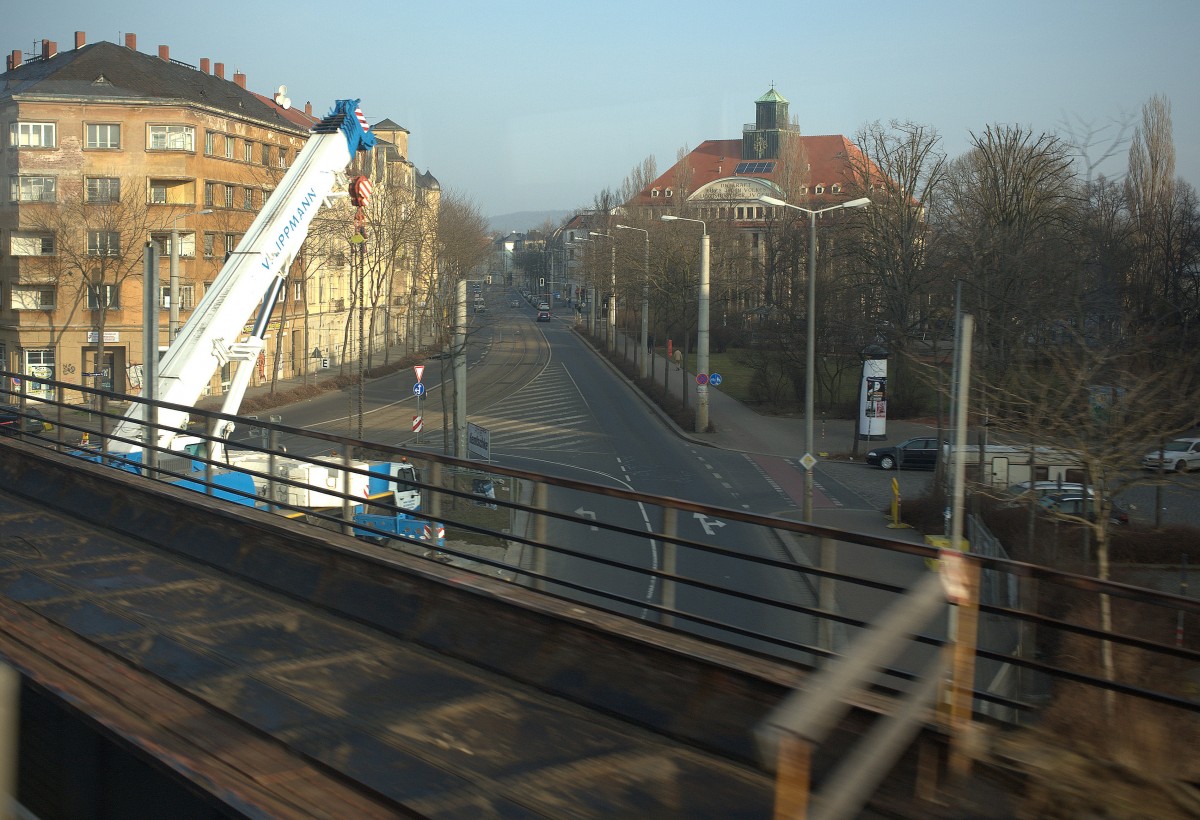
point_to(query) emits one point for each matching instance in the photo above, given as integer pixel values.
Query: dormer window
(653, 192)
(837, 188)
(820, 189)
(668, 193)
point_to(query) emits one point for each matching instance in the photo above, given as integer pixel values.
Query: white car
(1180, 455)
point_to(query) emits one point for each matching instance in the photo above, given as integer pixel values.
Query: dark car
(543, 316)
(1073, 504)
(14, 420)
(916, 453)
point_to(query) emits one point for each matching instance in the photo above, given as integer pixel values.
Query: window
(103, 189)
(104, 243)
(297, 289)
(209, 193)
(39, 364)
(228, 196)
(820, 189)
(228, 147)
(231, 240)
(248, 151)
(837, 189)
(248, 199)
(187, 298)
(32, 297)
(31, 244)
(158, 193)
(654, 192)
(172, 138)
(266, 154)
(210, 141)
(667, 193)
(282, 157)
(32, 189)
(33, 135)
(210, 239)
(187, 244)
(103, 136)
(102, 296)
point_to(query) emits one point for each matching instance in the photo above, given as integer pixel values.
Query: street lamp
(701, 326)
(645, 346)
(611, 328)
(810, 352)
(173, 322)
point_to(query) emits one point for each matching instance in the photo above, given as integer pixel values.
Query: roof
(113, 72)
(826, 156)
(771, 96)
(387, 124)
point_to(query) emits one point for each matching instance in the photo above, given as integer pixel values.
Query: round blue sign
(715, 379)
(418, 389)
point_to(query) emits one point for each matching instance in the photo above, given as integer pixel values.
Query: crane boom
(253, 274)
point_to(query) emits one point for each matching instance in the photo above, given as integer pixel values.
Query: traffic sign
(419, 369)
(715, 379)
(701, 378)
(418, 389)
(808, 461)
(418, 424)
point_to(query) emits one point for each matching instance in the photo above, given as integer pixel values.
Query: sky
(536, 106)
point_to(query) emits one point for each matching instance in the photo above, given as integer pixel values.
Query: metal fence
(785, 589)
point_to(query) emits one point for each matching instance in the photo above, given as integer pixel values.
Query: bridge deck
(252, 693)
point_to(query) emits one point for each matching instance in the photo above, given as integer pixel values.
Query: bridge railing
(784, 589)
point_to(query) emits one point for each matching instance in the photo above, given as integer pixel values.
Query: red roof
(827, 158)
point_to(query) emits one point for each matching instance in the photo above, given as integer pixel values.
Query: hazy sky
(540, 105)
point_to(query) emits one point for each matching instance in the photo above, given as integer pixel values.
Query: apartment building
(107, 149)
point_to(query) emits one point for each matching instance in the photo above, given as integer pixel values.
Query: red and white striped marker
(361, 119)
(418, 424)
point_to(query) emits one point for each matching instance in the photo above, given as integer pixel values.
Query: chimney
(239, 79)
(131, 42)
(205, 65)
(219, 70)
(80, 39)
(164, 53)
(49, 49)
(308, 109)
(14, 59)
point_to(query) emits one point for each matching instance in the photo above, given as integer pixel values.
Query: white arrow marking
(582, 513)
(707, 523)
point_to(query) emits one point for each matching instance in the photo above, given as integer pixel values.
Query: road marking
(708, 523)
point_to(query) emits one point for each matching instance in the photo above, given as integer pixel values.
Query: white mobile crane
(256, 274)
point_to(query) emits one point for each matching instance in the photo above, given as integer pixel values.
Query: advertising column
(872, 412)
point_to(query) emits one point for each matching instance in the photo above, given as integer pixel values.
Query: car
(514, 303)
(543, 316)
(915, 453)
(543, 305)
(1180, 455)
(14, 420)
(1039, 489)
(1073, 504)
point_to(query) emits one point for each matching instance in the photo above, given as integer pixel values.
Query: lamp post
(811, 342)
(701, 326)
(173, 322)
(610, 330)
(645, 345)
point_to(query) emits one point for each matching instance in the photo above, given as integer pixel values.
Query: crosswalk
(548, 414)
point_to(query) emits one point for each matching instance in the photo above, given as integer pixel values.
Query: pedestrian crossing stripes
(547, 414)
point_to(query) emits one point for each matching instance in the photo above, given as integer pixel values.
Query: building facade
(106, 149)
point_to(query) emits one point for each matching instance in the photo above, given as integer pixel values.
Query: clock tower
(770, 118)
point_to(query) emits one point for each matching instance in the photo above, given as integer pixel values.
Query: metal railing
(781, 588)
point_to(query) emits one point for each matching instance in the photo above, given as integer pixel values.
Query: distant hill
(525, 221)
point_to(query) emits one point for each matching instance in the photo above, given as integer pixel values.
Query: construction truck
(256, 274)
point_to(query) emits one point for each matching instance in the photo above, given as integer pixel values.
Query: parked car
(514, 302)
(14, 420)
(1039, 489)
(543, 316)
(916, 453)
(1073, 504)
(1180, 455)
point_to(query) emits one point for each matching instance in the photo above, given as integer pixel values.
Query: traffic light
(542, 283)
